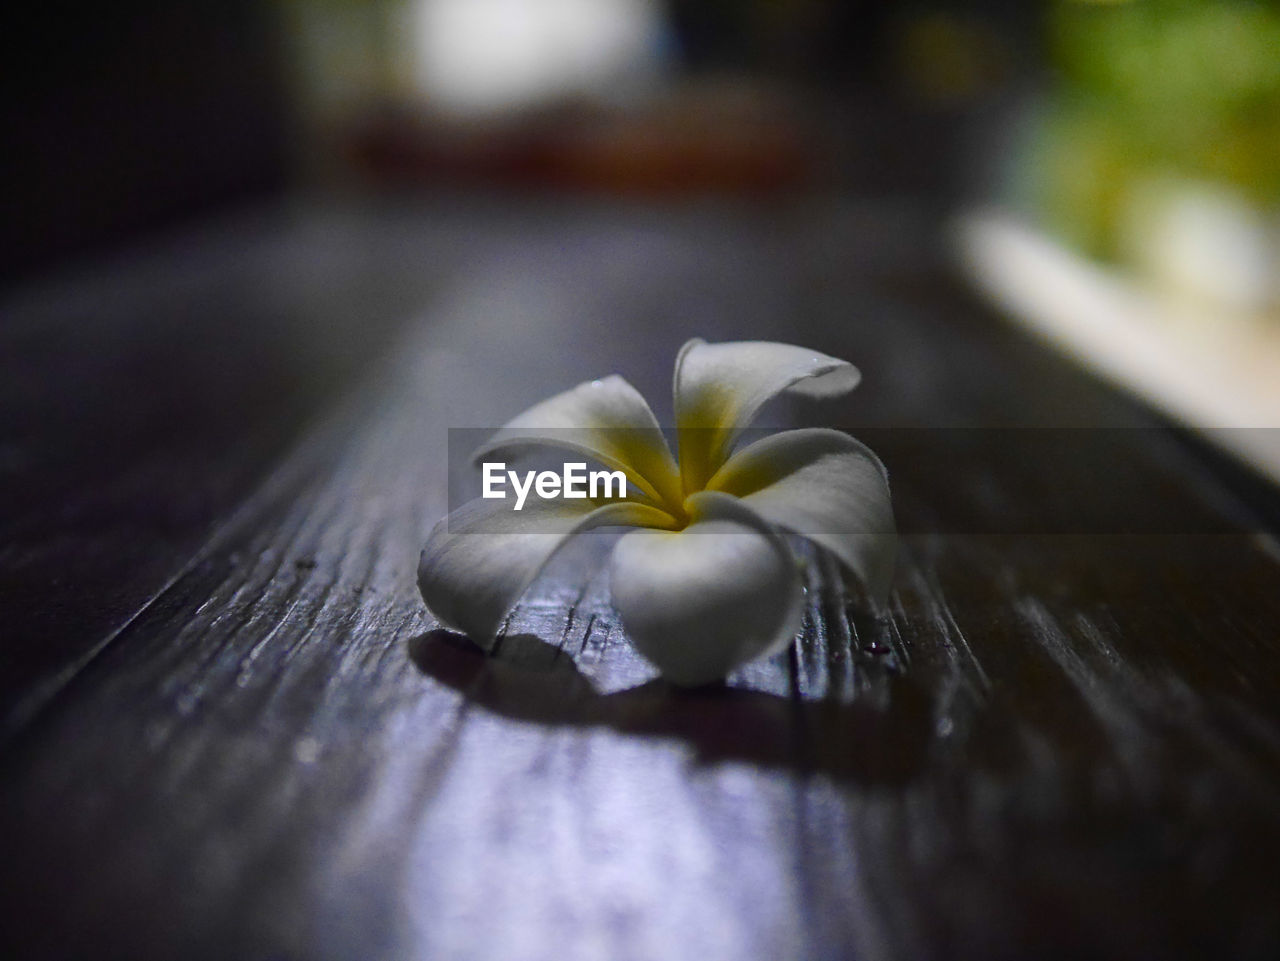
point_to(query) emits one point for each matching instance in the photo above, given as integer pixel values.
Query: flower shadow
(880, 739)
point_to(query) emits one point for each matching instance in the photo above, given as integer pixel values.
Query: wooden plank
(1057, 744)
(144, 398)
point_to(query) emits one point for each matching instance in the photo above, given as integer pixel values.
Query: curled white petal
(826, 486)
(607, 420)
(701, 601)
(719, 388)
(479, 559)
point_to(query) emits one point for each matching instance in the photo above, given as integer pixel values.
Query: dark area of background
(126, 118)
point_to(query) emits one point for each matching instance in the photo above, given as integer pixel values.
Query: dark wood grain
(144, 399)
(1060, 742)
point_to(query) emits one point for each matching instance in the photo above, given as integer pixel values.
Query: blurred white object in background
(1203, 243)
(491, 56)
(1220, 379)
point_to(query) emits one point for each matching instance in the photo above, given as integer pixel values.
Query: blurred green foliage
(1183, 88)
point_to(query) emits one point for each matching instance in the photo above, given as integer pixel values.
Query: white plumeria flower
(708, 582)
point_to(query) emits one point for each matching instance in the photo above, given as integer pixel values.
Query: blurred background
(126, 117)
(1145, 133)
(1142, 136)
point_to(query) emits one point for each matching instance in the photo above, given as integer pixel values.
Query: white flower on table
(707, 581)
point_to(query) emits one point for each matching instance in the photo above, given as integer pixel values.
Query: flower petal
(605, 419)
(719, 388)
(479, 559)
(701, 601)
(826, 486)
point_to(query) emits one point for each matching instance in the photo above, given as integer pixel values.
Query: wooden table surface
(231, 729)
